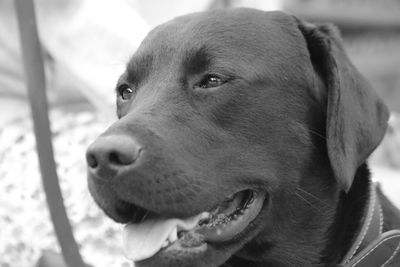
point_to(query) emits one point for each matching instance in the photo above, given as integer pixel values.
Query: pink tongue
(143, 240)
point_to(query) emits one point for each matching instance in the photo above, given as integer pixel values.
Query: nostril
(91, 160)
(110, 153)
(120, 158)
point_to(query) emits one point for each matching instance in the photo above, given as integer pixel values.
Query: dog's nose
(110, 153)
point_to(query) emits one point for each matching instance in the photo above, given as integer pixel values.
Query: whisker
(308, 202)
(316, 133)
(311, 195)
(144, 216)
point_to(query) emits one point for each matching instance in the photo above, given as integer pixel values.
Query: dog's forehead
(243, 33)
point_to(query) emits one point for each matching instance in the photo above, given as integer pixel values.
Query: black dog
(241, 141)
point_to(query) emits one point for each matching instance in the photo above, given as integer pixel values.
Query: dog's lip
(221, 224)
(231, 217)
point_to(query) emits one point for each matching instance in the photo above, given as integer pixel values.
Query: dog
(242, 140)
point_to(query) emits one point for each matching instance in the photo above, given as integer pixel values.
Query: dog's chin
(206, 239)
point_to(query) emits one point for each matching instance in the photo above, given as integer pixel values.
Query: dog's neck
(350, 211)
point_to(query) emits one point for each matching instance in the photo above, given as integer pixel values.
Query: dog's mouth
(147, 234)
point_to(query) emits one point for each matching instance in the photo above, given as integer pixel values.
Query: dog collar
(372, 248)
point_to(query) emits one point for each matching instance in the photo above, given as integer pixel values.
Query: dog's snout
(108, 154)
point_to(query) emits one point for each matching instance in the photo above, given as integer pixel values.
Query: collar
(371, 247)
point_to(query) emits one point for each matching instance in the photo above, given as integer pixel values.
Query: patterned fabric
(26, 228)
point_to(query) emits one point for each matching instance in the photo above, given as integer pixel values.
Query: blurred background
(86, 44)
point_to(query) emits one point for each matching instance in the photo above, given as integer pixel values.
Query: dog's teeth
(173, 236)
(204, 215)
(165, 244)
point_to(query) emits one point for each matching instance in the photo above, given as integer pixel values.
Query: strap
(371, 228)
(371, 248)
(35, 80)
(382, 252)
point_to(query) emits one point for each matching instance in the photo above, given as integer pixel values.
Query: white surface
(389, 180)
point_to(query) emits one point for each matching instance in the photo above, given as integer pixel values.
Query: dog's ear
(356, 118)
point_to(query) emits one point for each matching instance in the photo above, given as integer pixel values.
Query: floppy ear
(356, 118)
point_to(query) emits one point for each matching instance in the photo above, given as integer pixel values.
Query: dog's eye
(125, 91)
(210, 81)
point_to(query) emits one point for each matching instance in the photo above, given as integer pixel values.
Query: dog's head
(237, 130)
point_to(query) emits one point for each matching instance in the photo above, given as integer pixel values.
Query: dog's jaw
(208, 235)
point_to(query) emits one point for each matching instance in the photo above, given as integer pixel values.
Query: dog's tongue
(143, 240)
